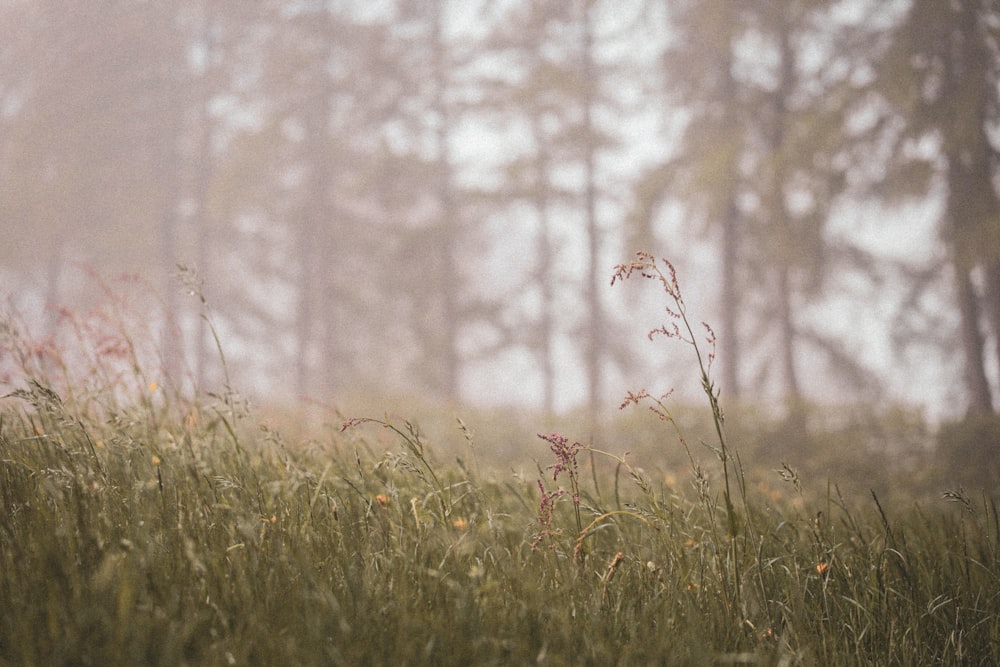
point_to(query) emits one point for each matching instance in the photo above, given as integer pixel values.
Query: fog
(428, 198)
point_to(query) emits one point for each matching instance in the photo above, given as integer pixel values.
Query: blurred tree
(321, 37)
(699, 75)
(531, 88)
(344, 194)
(418, 190)
(166, 97)
(595, 329)
(936, 91)
(215, 31)
(550, 82)
(452, 317)
(331, 85)
(93, 159)
(295, 151)
(78, 157)
(439, 263)
(762, 86)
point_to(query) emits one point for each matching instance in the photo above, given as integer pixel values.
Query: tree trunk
(992, 299)
(729, 344)
(784, 253)
(730, 341)
(449, 280)
(202, 181)
(309, 237)
(594, 276)
(971, 208)
(976, 384)
(170, 176)
(545, 256)
(793, 391)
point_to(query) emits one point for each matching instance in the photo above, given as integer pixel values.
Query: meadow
(145, 525)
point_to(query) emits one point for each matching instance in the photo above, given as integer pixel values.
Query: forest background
(427, 198)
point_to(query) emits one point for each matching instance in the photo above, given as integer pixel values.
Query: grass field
(140, 526)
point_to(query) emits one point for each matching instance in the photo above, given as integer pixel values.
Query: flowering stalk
(566, 462)
(546, 512)
(680, 328)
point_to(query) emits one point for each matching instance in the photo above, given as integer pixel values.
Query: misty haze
(385, 201)
(499, 332)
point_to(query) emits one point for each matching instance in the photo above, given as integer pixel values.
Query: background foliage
(425, 197)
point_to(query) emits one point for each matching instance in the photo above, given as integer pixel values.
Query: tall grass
(141, 526)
